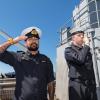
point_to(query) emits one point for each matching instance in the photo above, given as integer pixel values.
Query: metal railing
(7, 94)
(7, 87)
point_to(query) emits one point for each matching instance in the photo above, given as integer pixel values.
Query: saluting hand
(20, 38)
(86, 40)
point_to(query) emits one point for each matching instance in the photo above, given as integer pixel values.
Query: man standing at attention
(82, 84)
(34, 71)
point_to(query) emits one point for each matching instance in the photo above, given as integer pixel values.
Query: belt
(85, 82)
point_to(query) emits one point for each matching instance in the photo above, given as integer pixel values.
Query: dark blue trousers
(81, 90)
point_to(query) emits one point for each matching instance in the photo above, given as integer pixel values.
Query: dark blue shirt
(33, 73)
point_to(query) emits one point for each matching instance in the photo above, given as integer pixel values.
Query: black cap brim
(29, 35)
(77, 32)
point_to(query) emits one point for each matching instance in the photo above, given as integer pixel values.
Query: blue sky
(48, 15)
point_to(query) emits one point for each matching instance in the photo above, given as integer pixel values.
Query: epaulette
(44, 57)
(20, 55)
(21, 52)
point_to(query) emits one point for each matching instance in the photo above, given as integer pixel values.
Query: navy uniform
(33, 73)
(82, 84)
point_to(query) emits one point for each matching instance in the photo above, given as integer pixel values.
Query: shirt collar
(75, 46)
(30, 54)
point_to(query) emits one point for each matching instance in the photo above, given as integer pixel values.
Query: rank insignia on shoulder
(43, 61)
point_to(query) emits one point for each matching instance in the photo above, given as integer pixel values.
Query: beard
(33, 47)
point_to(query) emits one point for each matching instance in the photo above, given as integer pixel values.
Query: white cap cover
(29, 29)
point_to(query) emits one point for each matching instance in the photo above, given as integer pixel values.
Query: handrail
(7, 79)
(7, 85)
